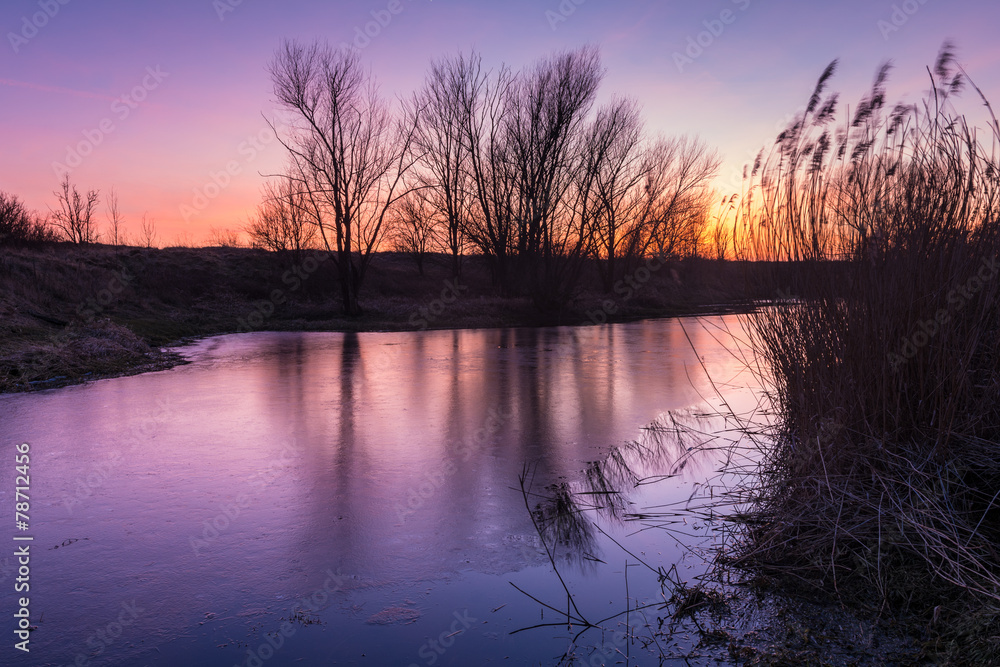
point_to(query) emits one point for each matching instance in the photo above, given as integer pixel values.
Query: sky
(166, 102)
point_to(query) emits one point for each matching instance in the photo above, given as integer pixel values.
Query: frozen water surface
(331, 498)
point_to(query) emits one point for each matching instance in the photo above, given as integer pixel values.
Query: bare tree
(116, 231)
(546, 128)
(224, 238)
(147, 236)
(284, 222)
(415, 229)
(75, 215)
(347, 152)
(721, 235)
(619, 169)
(679, 196)
(483, 105)
(523, 143)
(516, 166)
(14, 218)
(441, 121)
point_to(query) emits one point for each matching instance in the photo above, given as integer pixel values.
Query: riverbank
(70, 314)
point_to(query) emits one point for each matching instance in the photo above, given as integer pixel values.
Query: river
(332, 498)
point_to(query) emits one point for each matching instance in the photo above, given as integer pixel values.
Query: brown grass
(60, 302)
(880, 480)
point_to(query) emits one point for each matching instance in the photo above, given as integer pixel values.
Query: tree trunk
(348, 285)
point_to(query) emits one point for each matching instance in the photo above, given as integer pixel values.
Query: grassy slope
(71, 313)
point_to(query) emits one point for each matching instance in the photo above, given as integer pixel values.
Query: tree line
(521, 167)
(75, 219)
(524, 168)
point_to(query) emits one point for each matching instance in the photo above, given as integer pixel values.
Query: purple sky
(163, 95)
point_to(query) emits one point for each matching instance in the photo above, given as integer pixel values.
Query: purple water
(183, 516)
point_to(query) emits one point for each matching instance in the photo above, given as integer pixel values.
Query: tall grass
(882, 478)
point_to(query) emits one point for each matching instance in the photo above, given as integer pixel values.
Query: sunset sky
(153, 98)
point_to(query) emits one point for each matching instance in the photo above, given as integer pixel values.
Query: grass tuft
(880, 481)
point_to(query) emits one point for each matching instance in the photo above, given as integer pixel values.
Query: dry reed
(881, 478)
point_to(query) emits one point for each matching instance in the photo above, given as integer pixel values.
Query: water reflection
(392, 458)
(404, 431)
(678, 443)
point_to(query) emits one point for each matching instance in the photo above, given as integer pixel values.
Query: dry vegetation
(880, 482)
(71, 312)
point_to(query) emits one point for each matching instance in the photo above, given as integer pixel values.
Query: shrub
(18, 225)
